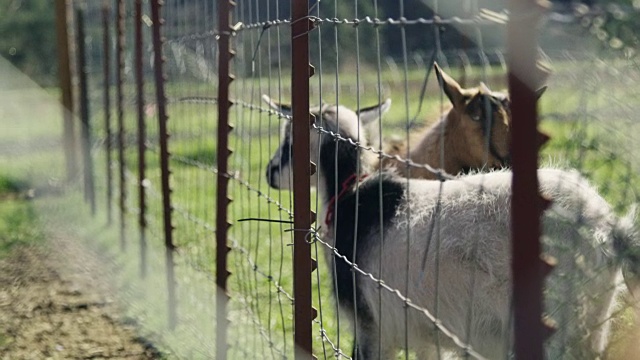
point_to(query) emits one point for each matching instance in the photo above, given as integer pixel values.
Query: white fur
(472, 236)
(347, 120)
(468, 262)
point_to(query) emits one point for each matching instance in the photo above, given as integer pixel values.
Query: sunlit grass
(261, 258)
(18, 220)
(261, 255)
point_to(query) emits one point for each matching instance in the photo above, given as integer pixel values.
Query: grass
(11, 186)
(261, 259)
(18, 222)
(19, 225)
(581, 147)
(265, 246)
(143, 300)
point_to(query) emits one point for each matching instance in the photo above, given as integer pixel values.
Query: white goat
(473, 134)
(446, 247)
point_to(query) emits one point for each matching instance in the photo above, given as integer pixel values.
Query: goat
(366, 116)
(473, 134)
(446, 247)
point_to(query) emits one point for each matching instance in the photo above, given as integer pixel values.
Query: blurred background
(90, 257)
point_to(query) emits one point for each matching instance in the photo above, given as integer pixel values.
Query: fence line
(106, 73)
(87, 159)
(301, 24)
(142, 137)
(239, 37)
(163, 118)
(225, 53)
(64, 74)
(120, 63)
(302, 262)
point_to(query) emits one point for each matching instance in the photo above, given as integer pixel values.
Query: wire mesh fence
(409, 129)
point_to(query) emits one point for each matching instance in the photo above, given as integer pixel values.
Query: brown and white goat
(473, 134)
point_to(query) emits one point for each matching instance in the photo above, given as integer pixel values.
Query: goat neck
(338, 161)
(429, 149)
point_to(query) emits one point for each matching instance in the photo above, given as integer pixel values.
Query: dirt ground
(53, 308)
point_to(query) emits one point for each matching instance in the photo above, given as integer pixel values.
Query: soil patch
(53, 305)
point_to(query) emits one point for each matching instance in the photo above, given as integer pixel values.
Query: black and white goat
(446, 247)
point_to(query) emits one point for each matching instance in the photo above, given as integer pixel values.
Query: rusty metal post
(87, 160)
(225, 54)
(106, 58)
(120, 109)
(142, 222)
(161, 100)
(302, 218)
(64, 74)
(527, 267)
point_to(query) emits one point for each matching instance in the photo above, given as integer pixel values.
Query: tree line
(27, 36)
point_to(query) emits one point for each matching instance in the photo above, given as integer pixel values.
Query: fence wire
(385, 270)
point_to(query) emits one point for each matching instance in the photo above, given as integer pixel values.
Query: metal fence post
(142, 222)
(302, 217)
(167, 209)
(87, 160)
(225, 54)
(120, 104)
(106, 58)
(527, 267)
(64, 74)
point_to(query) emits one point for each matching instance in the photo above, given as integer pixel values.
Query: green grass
(143, 301)
(18, 222)
(11, 186)
(261, 255)
(261, 259)
(581, 147)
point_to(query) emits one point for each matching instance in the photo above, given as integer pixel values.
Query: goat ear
(283, 108)
(450, 87)
(370, 114)
(484, 89)
(540, 91)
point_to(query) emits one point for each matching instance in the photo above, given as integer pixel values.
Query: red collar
(346, 185)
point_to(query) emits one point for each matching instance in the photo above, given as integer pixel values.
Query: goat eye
(476, 117)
